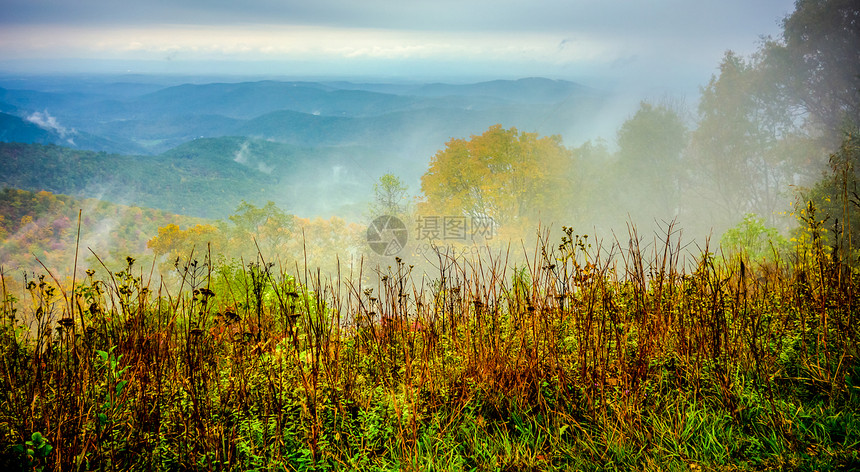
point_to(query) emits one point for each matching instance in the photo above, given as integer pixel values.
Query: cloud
(609, 16)
(274, 42)
(50, 123)
(557, 38)
(374, 28)
(241, 155)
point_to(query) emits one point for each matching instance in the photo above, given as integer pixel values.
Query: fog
(664, 118)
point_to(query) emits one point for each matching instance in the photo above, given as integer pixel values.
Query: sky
(651, 42)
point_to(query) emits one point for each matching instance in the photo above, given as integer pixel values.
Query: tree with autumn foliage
(515, 178)
(175, 243)
(266, 229)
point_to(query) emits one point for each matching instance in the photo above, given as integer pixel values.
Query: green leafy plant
(34, 453)
(755, 240)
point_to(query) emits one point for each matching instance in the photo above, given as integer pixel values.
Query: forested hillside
(208, 185)
(42, 228)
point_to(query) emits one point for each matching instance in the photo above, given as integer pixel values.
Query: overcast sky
(652, 41)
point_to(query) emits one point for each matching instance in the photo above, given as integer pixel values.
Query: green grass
(584, 358)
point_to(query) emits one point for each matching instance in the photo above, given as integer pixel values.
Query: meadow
(139, 339)
(571, 354)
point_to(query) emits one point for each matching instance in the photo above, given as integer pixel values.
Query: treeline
(760, 139)
(280, 238)
(41, 228)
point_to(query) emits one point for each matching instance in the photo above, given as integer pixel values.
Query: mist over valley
(316, 148)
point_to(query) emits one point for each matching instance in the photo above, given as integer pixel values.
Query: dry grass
(583, 356)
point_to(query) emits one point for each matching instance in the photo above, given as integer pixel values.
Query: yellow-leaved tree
(514, 178)
(174, 243)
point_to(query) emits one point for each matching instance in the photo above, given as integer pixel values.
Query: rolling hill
(312, 147)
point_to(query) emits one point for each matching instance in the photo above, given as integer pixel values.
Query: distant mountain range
(318, 145)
